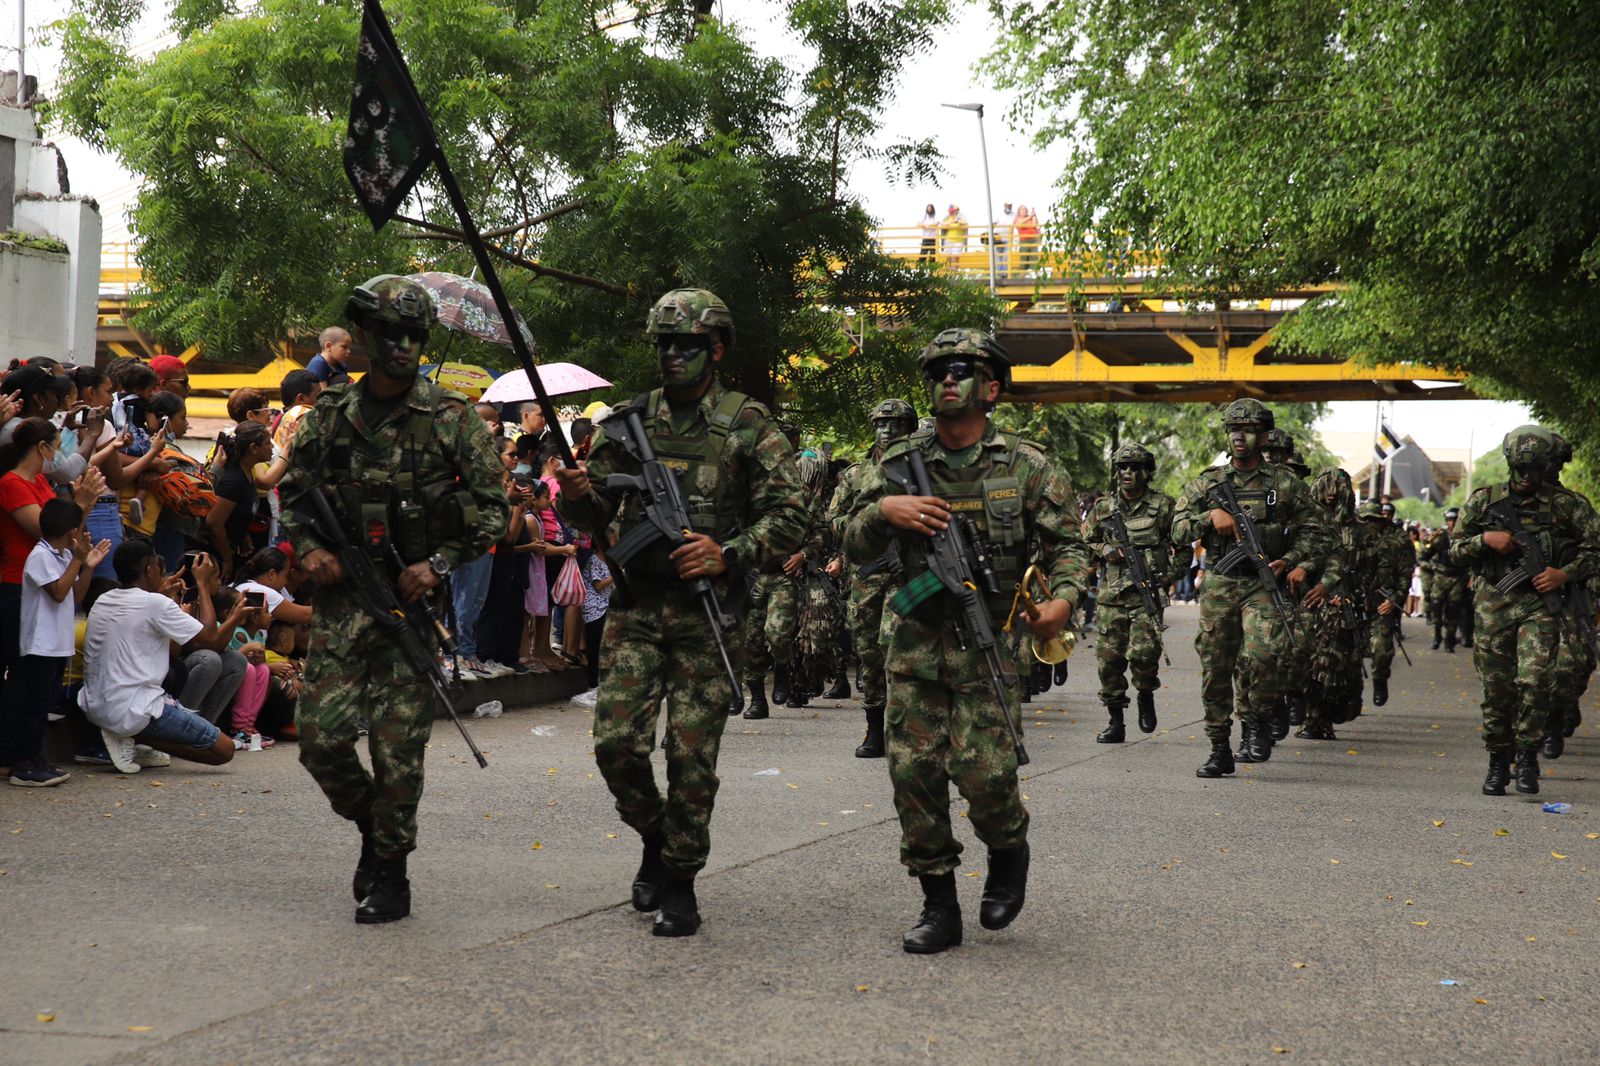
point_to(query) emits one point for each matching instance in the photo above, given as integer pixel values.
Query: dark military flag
(390, 140)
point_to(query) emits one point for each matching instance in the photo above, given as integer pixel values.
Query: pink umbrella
(560, 379)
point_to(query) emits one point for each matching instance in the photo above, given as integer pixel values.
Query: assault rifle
(1353, 618)
(1250, 549)
(957, 563)
(666, 518)
(1531, 560)
(1139, 575)
(1398, 614)
(406, 625)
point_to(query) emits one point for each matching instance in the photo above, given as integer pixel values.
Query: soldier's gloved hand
(1314, 598)
(795, 565)
(1549, 579)
(574, 481)
(415, 580)
(1498, 540)
(1223, 523)
(322, 567)
(698, 556)
(920, 514)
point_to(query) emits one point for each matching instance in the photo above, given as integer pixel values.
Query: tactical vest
(1260, 502)
(991, 497)
(697, 463)
(1539, 519)
(399, 507)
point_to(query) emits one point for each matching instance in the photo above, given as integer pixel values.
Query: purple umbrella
(560, 379)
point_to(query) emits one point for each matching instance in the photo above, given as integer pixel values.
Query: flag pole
(469, 229)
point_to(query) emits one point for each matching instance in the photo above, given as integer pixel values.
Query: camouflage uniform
(1126, 635)
(659, 644)
(1337, 627)
(1277, 446)
(353, 672)
(1395, 560)
(1575, 658)
(1517, 635)
(871, 584)
(1241, 640)
(942, 722)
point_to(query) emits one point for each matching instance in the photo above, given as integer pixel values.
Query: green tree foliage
(1440, 157)
(693, 160)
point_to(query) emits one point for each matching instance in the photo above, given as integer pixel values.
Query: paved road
(1308, 908)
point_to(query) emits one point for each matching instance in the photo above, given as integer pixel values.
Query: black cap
(32, 380)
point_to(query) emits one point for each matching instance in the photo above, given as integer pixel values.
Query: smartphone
(255, 600)
(164, 421)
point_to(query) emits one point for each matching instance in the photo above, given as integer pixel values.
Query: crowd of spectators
(147, 599)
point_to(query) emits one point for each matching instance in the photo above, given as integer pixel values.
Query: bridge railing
(119, 268)
(962, 248)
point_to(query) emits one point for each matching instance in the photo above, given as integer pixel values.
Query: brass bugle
(1057, 648)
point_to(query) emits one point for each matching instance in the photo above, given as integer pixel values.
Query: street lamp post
(988, 195)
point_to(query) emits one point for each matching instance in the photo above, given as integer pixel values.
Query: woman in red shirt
(23, 491)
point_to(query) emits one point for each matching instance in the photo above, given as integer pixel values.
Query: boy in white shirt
(54, 580)
(126, 649)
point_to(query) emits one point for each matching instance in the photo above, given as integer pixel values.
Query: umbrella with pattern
(467, 307)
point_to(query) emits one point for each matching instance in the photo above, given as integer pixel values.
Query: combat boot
(799, 695)
(1042, 676)
(1297, 710)
(840, 689)
(1528, 770)
(1221, 762)
(1554, 744)
(366, 866)
(1438, 631)
(1494, 783)
(1006, 887)
(647, 882)
(1450, 639)
(1059, 675)
(1247, 732)
(1380, 691)
(758, 699)
(1316, 731)
(780, 685)
(680, 913)
(1280, 719)
(1114, 732)
(1574, 718)
(389, 898)
(872, 746)
(940, 924)
(1147, 711)
(1261, 740)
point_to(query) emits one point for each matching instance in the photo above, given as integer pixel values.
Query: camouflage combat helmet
(689, 311)
(1133, 455)
(392, 298)
(1248, 412)
(1563, 454)
(973, 342)
(892, 411)
(1278, 440)
(1527, 444)
(1386, 510)
(1370, 509)
(1336, 483)
(925, 424)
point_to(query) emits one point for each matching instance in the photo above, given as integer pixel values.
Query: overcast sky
(1020, 173)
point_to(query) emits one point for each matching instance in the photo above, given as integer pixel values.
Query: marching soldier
(871, 583)
(1336, 606)
(942, 721)
(1450, 601)
(1519, 629)
(1575, 658)
(1241, 638)
(413, 464)
(747, 509)
(1395, 559)
(1128, 635)
(1277, 446)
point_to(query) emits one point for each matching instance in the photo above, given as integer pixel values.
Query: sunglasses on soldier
(958, 369)
(683, 342)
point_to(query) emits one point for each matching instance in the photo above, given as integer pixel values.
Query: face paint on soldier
(884, 432)
(1526, 478)
(1132, 479)
(960, 387)
(1243, 441)
(685, 358)
(396, 349)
